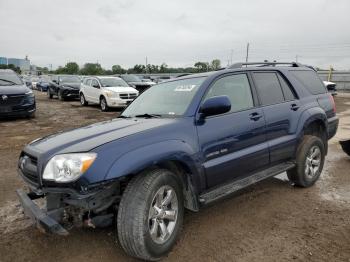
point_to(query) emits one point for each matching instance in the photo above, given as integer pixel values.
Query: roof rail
(260, 64)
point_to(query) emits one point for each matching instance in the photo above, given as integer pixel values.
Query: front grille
(11, 100)
(127, 96)
(29, 167)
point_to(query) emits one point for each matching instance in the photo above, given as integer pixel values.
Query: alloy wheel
(162, 216)
(313, 162)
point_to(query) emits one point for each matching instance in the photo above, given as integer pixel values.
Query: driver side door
(233, 145)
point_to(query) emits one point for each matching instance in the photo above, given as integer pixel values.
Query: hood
(121, 89)
(87, 138)
(14, 90)
(72, 85)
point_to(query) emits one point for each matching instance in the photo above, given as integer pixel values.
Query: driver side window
(236, 88)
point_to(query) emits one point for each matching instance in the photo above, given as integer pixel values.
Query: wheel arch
(174, 156)
(314, 122)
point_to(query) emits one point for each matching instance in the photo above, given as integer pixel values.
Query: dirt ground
(270, 221)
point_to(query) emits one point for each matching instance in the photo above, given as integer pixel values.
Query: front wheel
(83, 101)
(49, 95)
(309, 162)
(103, 104)
(150, 214)
(60, 95)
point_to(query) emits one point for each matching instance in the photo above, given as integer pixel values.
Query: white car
(34, 81)
(107, 91)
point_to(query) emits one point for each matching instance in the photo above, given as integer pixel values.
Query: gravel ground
(270, 221)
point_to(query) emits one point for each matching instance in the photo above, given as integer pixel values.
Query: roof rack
(261, 64)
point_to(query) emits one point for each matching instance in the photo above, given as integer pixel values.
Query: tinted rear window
(311, 81)
(269, 88)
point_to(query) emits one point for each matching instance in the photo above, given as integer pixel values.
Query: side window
(237, 88)
(94, 83)
(269, 88)
(288, 93)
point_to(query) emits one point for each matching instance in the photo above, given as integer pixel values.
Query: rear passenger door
(281, 110)
(233, 145)
(87, 89)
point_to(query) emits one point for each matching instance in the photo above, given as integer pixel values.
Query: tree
(12, 67)
(117, 69)
(138, 69)
(92, 69)
(215, 64)
(202, 66)
(71, 68)
(163, 68)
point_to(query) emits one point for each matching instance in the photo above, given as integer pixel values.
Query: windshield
(131, 78)
(8, 78)
(109, 82)
(166, 99)
(69, 79)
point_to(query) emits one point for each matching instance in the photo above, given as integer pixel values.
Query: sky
(178, 33)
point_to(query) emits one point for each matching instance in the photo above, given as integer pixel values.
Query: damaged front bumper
(66, 208)
(40, 217)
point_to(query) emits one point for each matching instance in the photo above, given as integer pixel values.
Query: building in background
(23, 64)
(3, 61)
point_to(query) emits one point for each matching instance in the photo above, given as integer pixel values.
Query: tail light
(333, 103)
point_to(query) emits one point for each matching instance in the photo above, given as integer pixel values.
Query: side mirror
(55, 81)
(215, 106)
(96, 86)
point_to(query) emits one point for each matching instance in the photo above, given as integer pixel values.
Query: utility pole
(231, 56)
(146, 65)
(247, 55)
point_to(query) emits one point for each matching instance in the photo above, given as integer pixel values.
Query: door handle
(255, 116)
(294, 107)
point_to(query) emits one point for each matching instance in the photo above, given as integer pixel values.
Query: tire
(134, 222)
(309, 162)
(83, 101)
(103, 104)
(49, 95)
(60, 97)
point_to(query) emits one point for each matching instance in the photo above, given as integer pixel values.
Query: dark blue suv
(181, 144)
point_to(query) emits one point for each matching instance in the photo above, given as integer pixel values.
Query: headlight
(68, 167)
(109, 93)
(30, 93)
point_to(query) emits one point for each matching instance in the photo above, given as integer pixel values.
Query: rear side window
(311, 81)
(269, 88)
(237, 88)
(287, 92)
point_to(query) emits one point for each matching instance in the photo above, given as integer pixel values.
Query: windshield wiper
(8, 81)
(149, 115)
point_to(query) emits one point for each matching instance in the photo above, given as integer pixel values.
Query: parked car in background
(64, 87)
(331, 87)
(16, 99)
(184, 143)
(148, 81)
(162, 79)
(27, 80)
(34, 81)
(136, 82)
(106, 91)
(43, 84)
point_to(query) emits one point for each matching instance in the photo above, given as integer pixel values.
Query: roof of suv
(251, 66)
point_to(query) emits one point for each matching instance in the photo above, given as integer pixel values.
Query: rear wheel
(309, 162)
(103, 104)
(150, 214)
(83, 101)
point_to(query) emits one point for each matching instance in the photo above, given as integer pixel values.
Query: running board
(232, 187)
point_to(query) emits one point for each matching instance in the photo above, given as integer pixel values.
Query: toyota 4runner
(181, 144)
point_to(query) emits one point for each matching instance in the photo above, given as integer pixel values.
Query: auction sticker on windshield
(184, 88)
